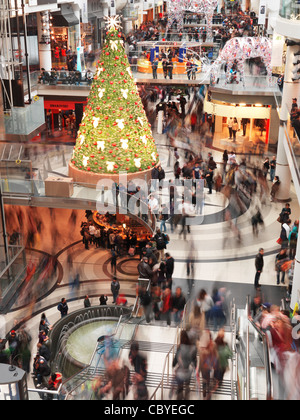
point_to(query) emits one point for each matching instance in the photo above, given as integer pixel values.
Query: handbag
(279, 241)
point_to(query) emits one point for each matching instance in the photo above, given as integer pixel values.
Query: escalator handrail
(265, 340)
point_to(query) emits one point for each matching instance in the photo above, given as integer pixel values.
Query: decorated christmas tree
(114, 135)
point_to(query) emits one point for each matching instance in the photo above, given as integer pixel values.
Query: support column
(296, 280)
(290, 90)
(44, 40)
(283, 169)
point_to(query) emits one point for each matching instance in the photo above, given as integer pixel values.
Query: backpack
(160, 242)
(293, 238)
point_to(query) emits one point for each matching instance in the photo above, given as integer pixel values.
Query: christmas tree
(114, 135)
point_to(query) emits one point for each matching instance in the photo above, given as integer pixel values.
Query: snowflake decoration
(113, 22)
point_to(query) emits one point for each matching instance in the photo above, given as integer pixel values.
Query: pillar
(283, 169)
(296, 281)
(290, 90)
(44, 40)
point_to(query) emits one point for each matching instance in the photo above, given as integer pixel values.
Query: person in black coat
(169, 267)
(259, 265)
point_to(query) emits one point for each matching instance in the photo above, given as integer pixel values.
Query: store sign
(63, 105)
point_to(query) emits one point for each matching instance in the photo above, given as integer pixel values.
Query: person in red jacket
(166, 308)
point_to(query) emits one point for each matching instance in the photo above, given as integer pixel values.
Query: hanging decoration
(239, 50)
(177, 8)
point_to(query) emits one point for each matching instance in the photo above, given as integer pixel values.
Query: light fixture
(258, 105)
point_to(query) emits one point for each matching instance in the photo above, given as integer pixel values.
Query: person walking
(235, 129)
(185, 362)
(259, 265)
(166, 308)
(224, 354)
(273, 168)
(229, 125)
(146, 302)
(63, 307)
(140, 366)
(208, 364)
(170, 263)
(113, 262)
(170, 68)
(178, 305)
(154, 67)
(281, 258)
(161, 243)
(86, 302)
(115, 289)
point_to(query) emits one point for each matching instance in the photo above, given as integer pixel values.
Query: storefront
(64, 35)
(54, 109)
(252, 131)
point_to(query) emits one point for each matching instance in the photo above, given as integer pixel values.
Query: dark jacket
(259, 262)
(169, 267)
(63, 308)
(115, 287)
(145, 271)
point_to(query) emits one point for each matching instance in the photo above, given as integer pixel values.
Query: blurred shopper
(208, 365)
(259, 265)
(139, 364)
(115, 289)
(185, 363)
(63, 307)
(224, 354)
(166, 306)
(205, 303)
(178, 304)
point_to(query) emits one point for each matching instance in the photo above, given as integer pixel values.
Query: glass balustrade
(290, 9)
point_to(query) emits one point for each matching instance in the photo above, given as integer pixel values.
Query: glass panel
(257, 365)
(290, 9)
(25, 120)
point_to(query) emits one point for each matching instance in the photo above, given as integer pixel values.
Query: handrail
(167, 358)
(233, 373)
(267, 358)
(151, 223)
(264, 337)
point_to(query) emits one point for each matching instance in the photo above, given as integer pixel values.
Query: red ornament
(107, 53)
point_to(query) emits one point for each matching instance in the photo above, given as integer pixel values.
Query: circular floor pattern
(128, 267)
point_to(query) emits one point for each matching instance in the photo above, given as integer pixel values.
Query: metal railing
(104, 200)
(253, 357)
(167, 372)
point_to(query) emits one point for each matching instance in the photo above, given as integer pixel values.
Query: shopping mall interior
(149, 195)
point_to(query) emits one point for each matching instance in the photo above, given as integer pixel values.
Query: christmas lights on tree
(114, 135)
